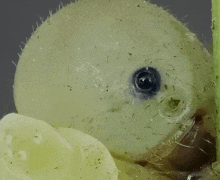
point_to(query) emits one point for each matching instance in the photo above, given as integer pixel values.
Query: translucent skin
(32, 150)
(75, 72)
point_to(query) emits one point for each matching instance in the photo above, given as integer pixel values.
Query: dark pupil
(144, 80)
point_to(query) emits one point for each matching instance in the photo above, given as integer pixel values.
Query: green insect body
(127, 73)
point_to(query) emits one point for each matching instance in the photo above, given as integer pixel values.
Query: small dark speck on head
(166, 87)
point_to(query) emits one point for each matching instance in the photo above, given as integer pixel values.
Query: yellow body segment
(36, 149)
(33, 150)
(97, 162)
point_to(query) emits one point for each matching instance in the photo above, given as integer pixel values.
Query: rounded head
(125, 72)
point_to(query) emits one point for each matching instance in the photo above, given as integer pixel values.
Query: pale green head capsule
(125, 72)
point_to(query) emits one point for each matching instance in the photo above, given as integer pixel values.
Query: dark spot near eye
(198, 115)
(166, 87)
(114, 110)
(141, 163)
(173, 103)
(180, 126)
(146, 82)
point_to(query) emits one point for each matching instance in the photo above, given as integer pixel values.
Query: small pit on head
(173, 103)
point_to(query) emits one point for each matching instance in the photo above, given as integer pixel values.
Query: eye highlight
(146, 81)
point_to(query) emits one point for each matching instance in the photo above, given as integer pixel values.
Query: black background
(18, 17)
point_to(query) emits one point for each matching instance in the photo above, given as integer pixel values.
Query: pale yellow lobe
(52, 158)
(39, 152)
(8, 174)
(97, 162)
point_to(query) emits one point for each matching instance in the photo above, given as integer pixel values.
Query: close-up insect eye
(147, 81)
(108, 90)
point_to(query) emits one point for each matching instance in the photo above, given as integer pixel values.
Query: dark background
(18, 17)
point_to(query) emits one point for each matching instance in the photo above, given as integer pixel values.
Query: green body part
(76, 70)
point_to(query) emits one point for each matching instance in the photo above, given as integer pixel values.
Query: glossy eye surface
(146, 80)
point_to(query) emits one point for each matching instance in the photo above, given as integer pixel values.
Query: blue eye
(146, 82)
